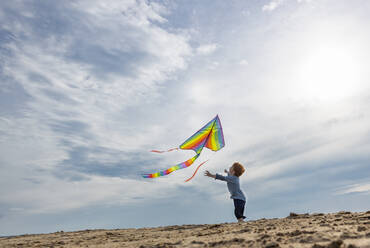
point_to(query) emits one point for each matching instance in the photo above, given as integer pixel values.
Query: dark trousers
(239, 208)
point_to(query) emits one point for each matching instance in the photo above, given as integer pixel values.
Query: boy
(232, 179)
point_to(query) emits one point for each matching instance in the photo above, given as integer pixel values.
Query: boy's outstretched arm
(208, 174)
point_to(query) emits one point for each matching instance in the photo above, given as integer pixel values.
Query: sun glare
(330, 72)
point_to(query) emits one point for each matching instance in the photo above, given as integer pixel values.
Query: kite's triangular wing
(199, 139)
(215, 140)
(210, 136)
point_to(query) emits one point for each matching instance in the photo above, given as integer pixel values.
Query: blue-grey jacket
(233, 185)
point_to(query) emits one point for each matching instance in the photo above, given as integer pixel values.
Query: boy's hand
(208, 174)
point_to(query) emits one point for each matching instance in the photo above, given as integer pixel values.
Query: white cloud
(243, 62)
(213, 65)
(79, 83)
(246, 13)
(355, 188)
(55, 195)
(92, 98)
(272, 5)
(207, 49)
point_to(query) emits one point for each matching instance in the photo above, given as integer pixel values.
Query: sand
(343, 229)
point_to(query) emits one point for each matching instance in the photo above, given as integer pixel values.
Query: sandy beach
(335, 230)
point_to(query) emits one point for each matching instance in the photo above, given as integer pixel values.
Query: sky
(89, 87)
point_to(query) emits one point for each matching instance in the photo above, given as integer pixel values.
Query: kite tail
(182, 165)
(195, 172)
(169, 150)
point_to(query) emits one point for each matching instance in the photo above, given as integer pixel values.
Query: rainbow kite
(210, 136)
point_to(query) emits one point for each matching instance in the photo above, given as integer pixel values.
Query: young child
(232, 179)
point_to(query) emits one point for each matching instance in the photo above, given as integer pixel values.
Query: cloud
(74, 78)
(54, 195)
(207, 49)
(355, 188)
(213, 65)
(272, 5)
(243, 62)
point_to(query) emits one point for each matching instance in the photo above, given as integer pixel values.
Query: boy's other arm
(228, 178)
